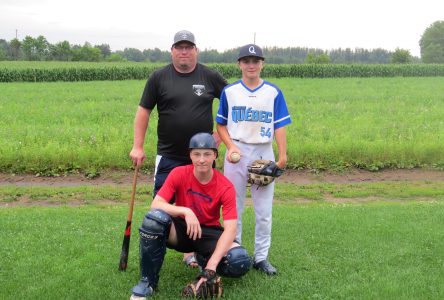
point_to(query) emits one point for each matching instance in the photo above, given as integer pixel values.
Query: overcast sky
(226, 24)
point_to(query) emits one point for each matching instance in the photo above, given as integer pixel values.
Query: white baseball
(235, 157)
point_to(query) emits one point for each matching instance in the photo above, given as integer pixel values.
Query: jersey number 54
(265, 132)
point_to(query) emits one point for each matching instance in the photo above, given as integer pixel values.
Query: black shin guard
(153, 235)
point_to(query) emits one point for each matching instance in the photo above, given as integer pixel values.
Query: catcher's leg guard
(153, 235)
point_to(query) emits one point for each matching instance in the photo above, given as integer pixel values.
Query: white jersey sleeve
(252, 116)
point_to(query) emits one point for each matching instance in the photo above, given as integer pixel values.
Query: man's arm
(141, 122)
(281, 141)
(223, 245)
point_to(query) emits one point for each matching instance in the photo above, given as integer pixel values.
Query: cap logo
(252, 50)
(184, 36)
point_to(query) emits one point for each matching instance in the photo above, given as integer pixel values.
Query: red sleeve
(170, 185)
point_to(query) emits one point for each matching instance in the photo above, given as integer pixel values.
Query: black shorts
(204, 246)
(165, 166)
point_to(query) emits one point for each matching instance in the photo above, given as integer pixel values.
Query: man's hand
(137, 155)
(206, 275)
(194, 231)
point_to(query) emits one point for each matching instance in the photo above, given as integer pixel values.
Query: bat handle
(133, 194)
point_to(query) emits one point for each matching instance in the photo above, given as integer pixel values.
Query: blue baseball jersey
(252, 116)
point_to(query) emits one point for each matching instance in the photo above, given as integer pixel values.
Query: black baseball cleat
(266, 267)
(142, 290)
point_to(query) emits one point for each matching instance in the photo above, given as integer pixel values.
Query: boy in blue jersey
(253, 112)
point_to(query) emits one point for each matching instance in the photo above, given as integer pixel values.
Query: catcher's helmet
(203, 140)
(236, 263)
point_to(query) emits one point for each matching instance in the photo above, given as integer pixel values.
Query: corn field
(71, 71)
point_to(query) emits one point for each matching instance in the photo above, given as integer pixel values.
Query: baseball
(235, 157)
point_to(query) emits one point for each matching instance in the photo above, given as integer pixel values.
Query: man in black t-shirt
(183, 92)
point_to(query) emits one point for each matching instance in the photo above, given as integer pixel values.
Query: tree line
(39, 49)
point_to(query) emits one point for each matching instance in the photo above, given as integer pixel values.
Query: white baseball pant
(262, 196)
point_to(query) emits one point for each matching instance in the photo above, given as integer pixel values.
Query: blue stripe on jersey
(282, 122)
(281, 114)
(222, 113)
(221, 117)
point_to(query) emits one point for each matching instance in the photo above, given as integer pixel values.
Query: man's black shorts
(204, 246)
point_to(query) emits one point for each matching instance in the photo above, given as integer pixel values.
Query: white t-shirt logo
(198, 89)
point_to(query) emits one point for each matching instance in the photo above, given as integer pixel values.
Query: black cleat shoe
(265, 267)
(142, 290)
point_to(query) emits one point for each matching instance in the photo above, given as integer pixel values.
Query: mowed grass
(369, 123)
(285, 193)
(377, 250)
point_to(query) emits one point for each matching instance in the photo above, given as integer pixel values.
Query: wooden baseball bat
(127, 235)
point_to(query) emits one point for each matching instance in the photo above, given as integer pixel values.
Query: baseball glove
(263, 172)
(209, 289)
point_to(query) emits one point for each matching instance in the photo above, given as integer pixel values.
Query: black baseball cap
(250, 50)
(184, 36)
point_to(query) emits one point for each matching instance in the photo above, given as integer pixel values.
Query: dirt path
(124, 178)
(298, 177)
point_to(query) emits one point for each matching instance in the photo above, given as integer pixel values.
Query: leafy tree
(313, 58)
(61, 51)
(15, 48)
(86, 53)
(433, 53)
(105, 50)
(210, 55)
(379, 56)
(2, 54)
(401, 56)
(115, 57)
(35, 49)
(42, 47)
(4, 49)
(230, 56)
(156, 55)
(432, 43)
(28, 46)
(133, 54)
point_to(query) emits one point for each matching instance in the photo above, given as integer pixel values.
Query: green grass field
(369, 240)
(369, 123)
(378, 250)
